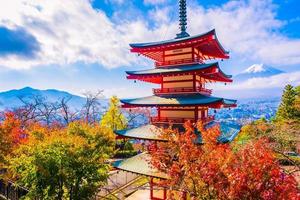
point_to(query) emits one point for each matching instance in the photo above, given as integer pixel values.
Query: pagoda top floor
(185, 50)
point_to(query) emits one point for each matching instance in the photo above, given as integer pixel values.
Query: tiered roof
(211, 72)
(143, 167)
(147, 132)
(180, 100)
(153, 132)
(207, 47)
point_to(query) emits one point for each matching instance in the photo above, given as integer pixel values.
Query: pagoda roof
(204, 70)
(229, 132)
(147, 132)
(139, 164)
(175, 41)
(152, 132)
(207, 43)
(180, 100)
(171, 41)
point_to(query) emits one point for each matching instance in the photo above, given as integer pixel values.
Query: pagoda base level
(162, 192)
(159, 193)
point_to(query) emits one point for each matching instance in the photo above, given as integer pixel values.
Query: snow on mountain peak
(256, 68)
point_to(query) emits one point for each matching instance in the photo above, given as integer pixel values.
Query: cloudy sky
(82, 45)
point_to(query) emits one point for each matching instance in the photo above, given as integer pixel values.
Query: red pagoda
(181, 73)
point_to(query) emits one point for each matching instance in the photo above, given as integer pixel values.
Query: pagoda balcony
(200, 90)
(187, 61)
(176, 120)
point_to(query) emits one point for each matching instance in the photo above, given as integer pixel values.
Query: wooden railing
(182, 90)
(10, 191)
(176, 120)
(171, 120)
(186, 61)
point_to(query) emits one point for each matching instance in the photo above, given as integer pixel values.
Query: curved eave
(154, 75)
(172, 41)
(147, 132)
(173, 70)
(154, 46)
(179, 101)
(217, 105)
(139, 164)
(228, 133)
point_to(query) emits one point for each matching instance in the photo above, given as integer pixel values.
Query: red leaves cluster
(254, 173)
(216, 171)
(12, 129)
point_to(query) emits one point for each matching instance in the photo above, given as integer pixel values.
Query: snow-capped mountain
(11, 98)
(257, 70)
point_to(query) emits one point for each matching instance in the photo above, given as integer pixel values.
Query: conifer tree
(287, 109)
(113, 118)
(297, 102)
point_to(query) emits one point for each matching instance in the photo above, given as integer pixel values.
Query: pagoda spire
(182, 20)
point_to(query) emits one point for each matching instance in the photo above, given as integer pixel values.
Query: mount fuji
(257, 71)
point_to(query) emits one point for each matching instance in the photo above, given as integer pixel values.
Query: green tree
(63, 164)
(287, 109)
(297, 102)
(113, 118)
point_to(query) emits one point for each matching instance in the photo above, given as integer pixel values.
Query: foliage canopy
(68, 163)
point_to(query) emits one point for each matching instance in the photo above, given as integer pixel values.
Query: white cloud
(73, 31)
(277, 81)
(68, 32)
(250, 29)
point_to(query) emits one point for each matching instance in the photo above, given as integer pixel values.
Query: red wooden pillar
(184, 196)
(194, 82)
(164, 56)
(151, 188)
(165, 193)
(193, 54)
(158, 112)
(196, 113)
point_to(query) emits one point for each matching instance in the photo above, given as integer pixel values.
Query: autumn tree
(68, 163)
(282, 133)
(114, 118)
(12, 133)
(215, 171)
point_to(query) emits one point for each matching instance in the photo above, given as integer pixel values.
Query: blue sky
(82, 45)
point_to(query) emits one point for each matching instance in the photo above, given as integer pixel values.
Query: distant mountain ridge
(11, 99)
(257, 71)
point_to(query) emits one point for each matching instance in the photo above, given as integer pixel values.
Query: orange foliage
(12, 129)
